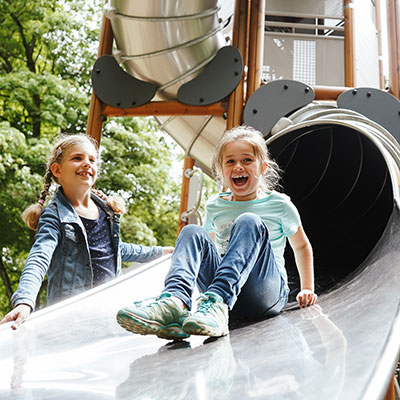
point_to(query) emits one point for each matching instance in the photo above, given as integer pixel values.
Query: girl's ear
(55, 169)
(264, 167)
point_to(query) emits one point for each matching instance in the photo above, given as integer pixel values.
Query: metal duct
(169, 43)
(342, 172)
(165, 42)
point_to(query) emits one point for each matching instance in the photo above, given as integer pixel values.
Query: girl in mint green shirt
(236, 259)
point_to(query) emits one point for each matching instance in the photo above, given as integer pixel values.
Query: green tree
(47, 49)
(21, 166)
(45, 58)
(136, 163)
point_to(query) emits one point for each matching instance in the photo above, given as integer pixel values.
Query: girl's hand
(306, 297)
(167, 250)
(19, 314)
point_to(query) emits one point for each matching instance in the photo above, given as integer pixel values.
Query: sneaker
(210, 318)
(163, 317)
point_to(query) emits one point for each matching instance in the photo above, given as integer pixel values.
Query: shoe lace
(140, 303)
(204, 304)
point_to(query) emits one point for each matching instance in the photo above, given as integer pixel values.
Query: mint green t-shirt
(276, 210)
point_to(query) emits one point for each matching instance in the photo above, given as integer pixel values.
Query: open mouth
(84, 174)
(240, 180)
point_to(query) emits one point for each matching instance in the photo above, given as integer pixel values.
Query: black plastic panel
(216, 81)
(375, 104)
(274, 100)
(115, 87)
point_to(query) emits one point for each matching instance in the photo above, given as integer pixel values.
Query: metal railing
(323, 26)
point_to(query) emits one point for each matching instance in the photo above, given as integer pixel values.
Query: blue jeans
(247, 277)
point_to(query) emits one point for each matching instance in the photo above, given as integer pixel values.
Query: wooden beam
(240, 40)
(165, 108)
(391, 391)
(329, 92)
(95, 118)
(349, 56)
(393, 22)
(256, 46)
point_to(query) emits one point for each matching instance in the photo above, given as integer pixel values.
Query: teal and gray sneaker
(210, 318)
(163, 317)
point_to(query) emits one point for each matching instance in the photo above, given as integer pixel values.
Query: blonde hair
(272, 174)
(64, 144)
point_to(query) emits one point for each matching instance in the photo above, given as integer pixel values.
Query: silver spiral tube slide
(169, 43)
(166, 42)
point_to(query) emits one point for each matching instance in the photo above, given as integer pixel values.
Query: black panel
(375, 104)
(273, 101)
(115, 87)
(216, 81)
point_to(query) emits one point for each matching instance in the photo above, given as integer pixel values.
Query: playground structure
(338, 144)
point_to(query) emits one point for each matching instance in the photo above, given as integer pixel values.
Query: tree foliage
(47, 50)
(45, 56)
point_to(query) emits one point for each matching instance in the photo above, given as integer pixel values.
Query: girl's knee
(248, 219)
(192, 230)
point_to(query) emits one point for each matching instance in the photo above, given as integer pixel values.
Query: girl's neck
(82, 203)
(259, 194)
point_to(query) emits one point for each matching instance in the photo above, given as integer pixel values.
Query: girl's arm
(304, 261)
(36, 266)
(131, 252)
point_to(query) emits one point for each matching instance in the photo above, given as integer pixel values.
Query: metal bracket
(117, 88)
(217, 81)
(195, 209)
(376, 105)
(275, 100)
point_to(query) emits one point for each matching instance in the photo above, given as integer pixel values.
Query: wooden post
(391, 392)
(349, 56)
(393, 22)
(95, 121)
(240, 40)
(188, 164)
(256, 46)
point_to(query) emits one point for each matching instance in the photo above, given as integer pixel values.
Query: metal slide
(344, 348)
(341, 169)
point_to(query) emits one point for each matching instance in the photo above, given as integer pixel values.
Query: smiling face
(78, 167)
(241, 170)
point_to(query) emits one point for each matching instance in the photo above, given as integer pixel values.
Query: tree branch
(6, 280)
(28, 48)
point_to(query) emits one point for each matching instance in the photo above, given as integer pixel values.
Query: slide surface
(343, 348)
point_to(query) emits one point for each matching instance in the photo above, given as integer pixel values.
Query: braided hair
(32, 213)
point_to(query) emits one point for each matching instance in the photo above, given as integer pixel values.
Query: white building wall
(311, 59)
(321, 7)
(366, 44)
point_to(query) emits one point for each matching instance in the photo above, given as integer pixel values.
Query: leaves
(47, 50)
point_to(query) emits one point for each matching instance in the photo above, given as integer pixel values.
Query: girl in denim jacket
(236, 259)
(77, 242)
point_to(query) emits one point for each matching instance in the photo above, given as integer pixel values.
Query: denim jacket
(61, 250)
